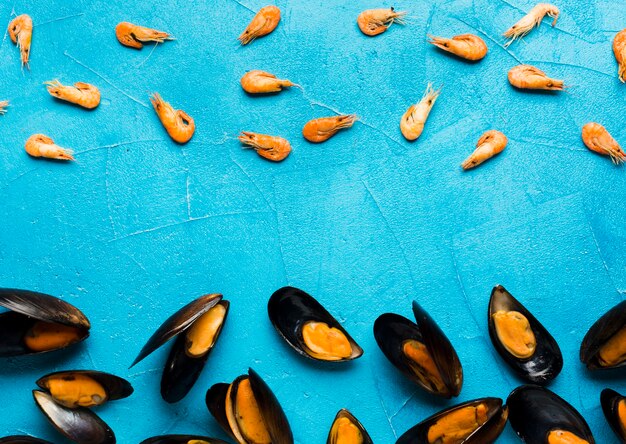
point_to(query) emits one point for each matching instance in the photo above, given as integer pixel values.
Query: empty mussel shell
(480, 421)
(308, 328)
(182, 439)
(421, 351)
(248, 411)
(540, 416)
(346, 429)
(614, 409)
(22, 439)
(604, 345)
(37, 323)
(520, 339)
(80, 425)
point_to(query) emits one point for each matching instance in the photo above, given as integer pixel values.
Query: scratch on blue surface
(66, 17)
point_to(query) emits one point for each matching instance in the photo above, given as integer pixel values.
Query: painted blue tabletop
(139, 226)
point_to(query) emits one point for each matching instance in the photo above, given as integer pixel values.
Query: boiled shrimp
(376, 21)
(619, 48)
(82, 94)
(530, 20)
(178, 124)
(261, 82)
(467, 46)
(263, 23)
(39, 145)
(413, 120)
(598, 139)
(491, 143)
(4, 104)
(529, 77)
(134, 36)
(322, 129)
(269, 147)
(21, 33)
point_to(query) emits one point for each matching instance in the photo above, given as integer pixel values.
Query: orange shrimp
(4, 104)
(21, 33)
(39, 145)
(261, 82)
(263, 23)
(82, 94)
(530, 20)
(322, 129)
(491, 143)
(414, 119)
(178, 124)
(619, 48)
(376, 21)
(269, 147)
(529, 77)
(467, 46)
(598, 139)
(134, 36)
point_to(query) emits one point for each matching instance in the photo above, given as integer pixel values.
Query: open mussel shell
(604, 345)
(421, 351)
(22, 439)
(540, 416)
(79, 425)
(38, 323)
(347, 429)
(182, 439)
(614, 409)
(520, 339)
(480, 421)
(296, 315)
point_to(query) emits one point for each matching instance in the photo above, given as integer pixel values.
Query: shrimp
(261, 82)
(134, 36)
(4, 104)
(619, 48)
(529, 77)
(178, 124)
(530, 20)
(269, 147)
(263, 23)
(39, 145)
(82, 94)
(467, 46)
(413, 120)
(320, 130)
(491, 143)
(376, 21)
(598, 139)
(21, 33)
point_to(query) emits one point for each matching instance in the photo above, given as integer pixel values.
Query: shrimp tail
(3, 106)
(65, 154)
(439, 42)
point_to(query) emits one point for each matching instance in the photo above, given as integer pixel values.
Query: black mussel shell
(79, 425)
(486, 433)
(181, 439)
(22, 439)
(610, 401)
(600, 332)
(546, 362)
(114, 386)
(290, 309)
(181, 370)
(391, 330)
(216, 403)
(535, 411)
(343, 413)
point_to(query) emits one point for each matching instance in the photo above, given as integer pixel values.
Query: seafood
(530, 20)
(135, 36)
(181, 439)
(263, 23)
(604, 345)
(22, 439)
(322, 129)
(619, 49)
(490, 143)
(261, 82)
(467, 46)
(414, 119)
(376, 21)
(598, 139)
(529, 77)
(178, 124)
(4, 104)
(40, 145)
(21, 33)
(308, 328)
(614, 409)
(82, 94)
(346, 429)
(269, 147)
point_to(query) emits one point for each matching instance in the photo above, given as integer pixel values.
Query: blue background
(138, 226)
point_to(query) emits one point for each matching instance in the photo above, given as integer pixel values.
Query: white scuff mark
(382, 404)
(252, 182)
(604, 264)
(60, 19)
(571, 65)
(117, 144)
(149, 55)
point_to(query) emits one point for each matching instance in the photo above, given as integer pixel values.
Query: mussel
(520, 339)
(480, 421)
(308, 328)
(248, 411)
(421, 351)
(614, 409)
(604, 345)
(540, 416)
(38, 323)
(201, 321)
(22, 439)
(182, 439)
(346, 429)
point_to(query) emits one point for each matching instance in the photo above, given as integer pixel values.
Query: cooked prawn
(261, 82)
(413, 120)
(134, 36)
(529, 77)
(598, 139)
(4, 104)
(263, 23)
(491, 143)
(39, 145)
(269, 147)
(82, 94)
(466, 46)
(376, 21)
(21, 33)
(530, 20)
(178, 124)
(619, 48)
(322, 129)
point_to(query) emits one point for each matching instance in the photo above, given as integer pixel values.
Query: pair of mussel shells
(604, 345)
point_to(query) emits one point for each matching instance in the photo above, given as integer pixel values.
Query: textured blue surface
(366, 222)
